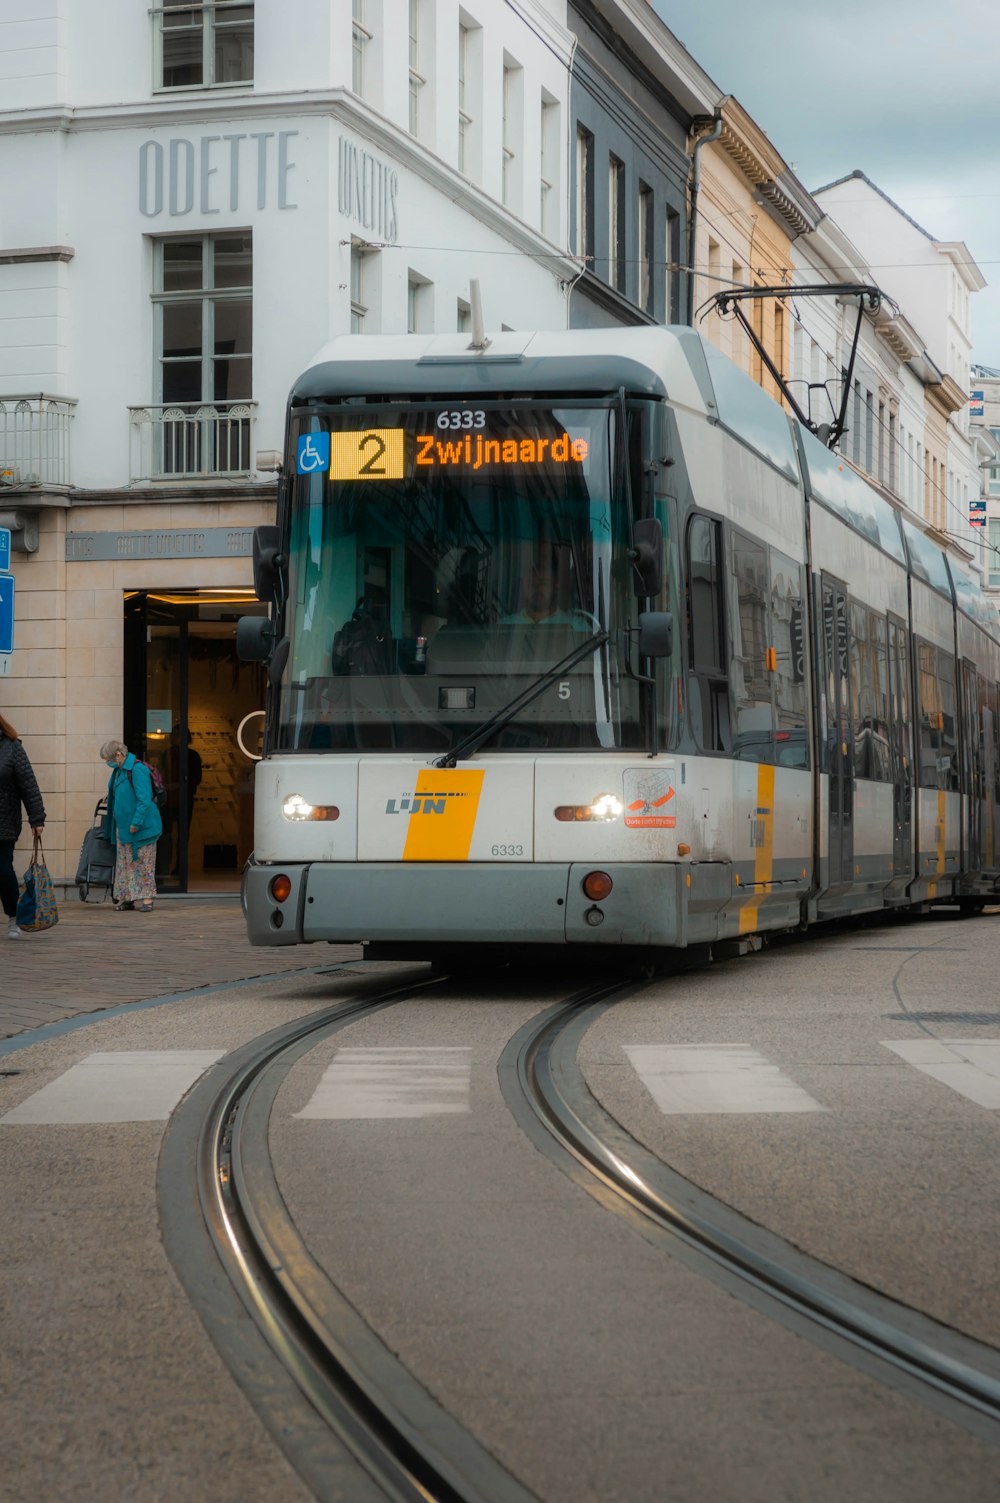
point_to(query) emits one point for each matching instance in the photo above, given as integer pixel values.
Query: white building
(188, 216)
(931, 281)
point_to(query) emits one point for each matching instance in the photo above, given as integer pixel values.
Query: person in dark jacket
(133, 820)
(18, 786)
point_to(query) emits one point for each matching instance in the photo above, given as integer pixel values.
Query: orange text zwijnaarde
(473, 450)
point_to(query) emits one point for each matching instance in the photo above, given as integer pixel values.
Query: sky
(906, 90)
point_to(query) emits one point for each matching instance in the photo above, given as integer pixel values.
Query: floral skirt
(135, 876)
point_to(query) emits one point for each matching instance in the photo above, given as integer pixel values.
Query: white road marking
(392, 1083)
(127, 1086)
(701, 1078)
(969, 1066)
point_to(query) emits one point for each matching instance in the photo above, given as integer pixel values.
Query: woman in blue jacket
(133, 820)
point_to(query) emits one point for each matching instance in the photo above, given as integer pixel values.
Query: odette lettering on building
(173, 174)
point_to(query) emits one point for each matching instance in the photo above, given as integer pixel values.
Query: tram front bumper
(464, 903)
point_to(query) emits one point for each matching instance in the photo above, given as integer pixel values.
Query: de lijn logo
(420, 803)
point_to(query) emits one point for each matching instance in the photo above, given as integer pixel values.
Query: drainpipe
(695, 184)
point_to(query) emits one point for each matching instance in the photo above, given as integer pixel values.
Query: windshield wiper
(505, 715)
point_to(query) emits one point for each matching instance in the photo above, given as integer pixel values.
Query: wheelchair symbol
(314, 453)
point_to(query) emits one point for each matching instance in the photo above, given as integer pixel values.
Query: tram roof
(648, 361)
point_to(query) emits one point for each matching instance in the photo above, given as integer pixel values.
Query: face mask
(112, 765)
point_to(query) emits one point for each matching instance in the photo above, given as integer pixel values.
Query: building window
(464, 118)
(584, 193)
(359, 306)
(616, 223)
(511, 128)
(202, 46)
(993, 550)
(463, 322)
(360, 37)
(417, 79)
(645, 248)
(672, 289)
(419, 314)
(548, 208)
(203, 310)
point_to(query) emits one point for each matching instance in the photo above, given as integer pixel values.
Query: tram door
(975, 771)
(900, 737)
(838, 734)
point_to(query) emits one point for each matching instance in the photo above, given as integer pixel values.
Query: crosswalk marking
(126, 1086)
(969, 1066)
(361, 1083)
(688, 1079)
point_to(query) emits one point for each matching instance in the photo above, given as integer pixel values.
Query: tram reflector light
(296, 808)
(597, 885)
(683, 850)
(281, 887)
(594, 916)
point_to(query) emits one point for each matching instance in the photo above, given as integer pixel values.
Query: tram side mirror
(268, 562)
(254, 639)
(656, 634)
(646, 556)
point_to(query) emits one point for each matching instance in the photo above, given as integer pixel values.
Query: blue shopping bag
(36, 905)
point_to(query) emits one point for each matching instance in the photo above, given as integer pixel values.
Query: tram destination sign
(452, 443)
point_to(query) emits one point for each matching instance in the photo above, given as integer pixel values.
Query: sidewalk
(95, 958)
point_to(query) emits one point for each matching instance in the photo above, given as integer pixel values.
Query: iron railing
(34, 440)
(191, 440)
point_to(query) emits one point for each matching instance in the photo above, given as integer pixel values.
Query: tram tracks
(227, 1229)
(546, 1091)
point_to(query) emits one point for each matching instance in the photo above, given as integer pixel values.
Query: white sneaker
(13, 932)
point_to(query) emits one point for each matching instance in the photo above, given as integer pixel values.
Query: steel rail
(395, 1431)
(544, 1056)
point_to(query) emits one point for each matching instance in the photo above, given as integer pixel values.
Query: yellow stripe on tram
(445, 805)
(762, 826)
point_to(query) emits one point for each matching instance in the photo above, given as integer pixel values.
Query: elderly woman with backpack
(133, 820)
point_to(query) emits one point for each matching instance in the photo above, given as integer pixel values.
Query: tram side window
(789, 673)
(869, 694)
(949, 721)
(936, 689)
(709, 697)
(751, 681)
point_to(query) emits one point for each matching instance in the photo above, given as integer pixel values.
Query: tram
(577, 639)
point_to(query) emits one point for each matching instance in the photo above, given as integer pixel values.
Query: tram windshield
(444, 559)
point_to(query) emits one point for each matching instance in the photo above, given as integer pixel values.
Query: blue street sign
(977, 505)
(977, 521)
(4, 548)
(6, 613)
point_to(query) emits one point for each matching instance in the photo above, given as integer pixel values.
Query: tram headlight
(606, 807)
(296, 808)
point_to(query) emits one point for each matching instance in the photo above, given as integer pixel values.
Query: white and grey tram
(578, 639)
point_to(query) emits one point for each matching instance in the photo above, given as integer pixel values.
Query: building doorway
(186, 693)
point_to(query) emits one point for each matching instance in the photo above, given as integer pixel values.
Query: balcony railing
(34, 440)
(191, 440)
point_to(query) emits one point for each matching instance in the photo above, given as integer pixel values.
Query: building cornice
(36, 253)
(947, 396)
(761, 165)
(336, 105)
(656, 47)
(958, 253)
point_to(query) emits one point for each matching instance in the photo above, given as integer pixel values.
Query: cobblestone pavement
(95, 958)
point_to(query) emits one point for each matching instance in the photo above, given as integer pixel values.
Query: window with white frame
(203, 320)
(203, 299)
(204, 45)
(360, 37)
(584, 193)
(417, 78)
(993, 550)
(359, 305)
(511, 129)
(548, 208)
(463, 321)
(419, 312)
(672, 286)
(464, 96)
